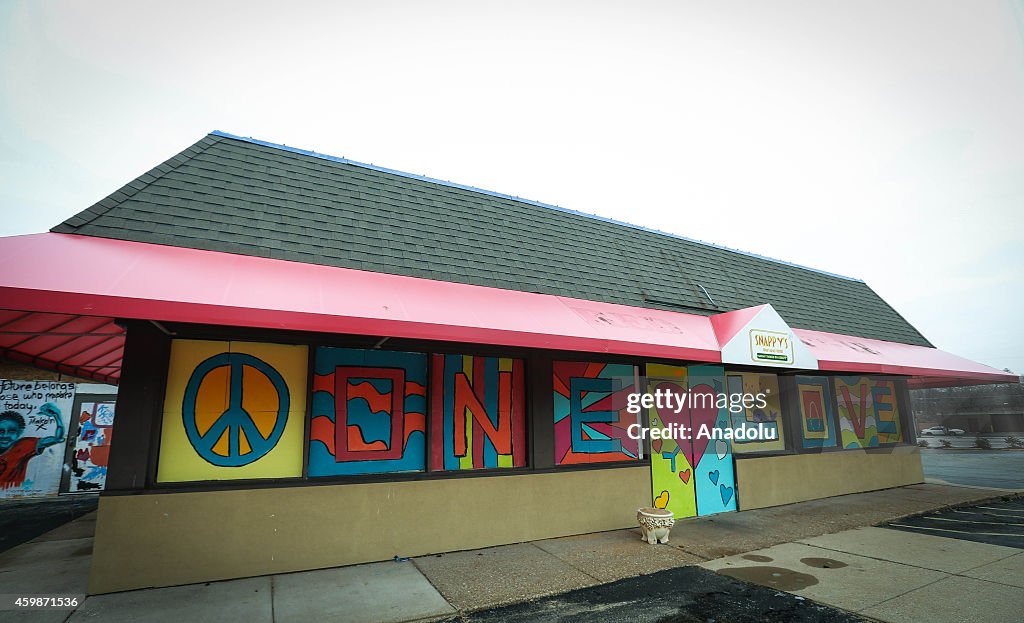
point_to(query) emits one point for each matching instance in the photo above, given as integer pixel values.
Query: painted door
(88, 448)
(694, 476)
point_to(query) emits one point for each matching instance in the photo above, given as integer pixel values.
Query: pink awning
(930, 367)
(85, 346)
(84, 276)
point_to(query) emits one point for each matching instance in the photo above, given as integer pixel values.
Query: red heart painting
(667, 413)
(704, 412)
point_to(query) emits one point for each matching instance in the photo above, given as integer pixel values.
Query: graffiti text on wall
(33, 424)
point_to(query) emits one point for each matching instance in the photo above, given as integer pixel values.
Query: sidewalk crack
(566, 562)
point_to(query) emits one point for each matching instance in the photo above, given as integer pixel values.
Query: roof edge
(70, 225)
(424, 178)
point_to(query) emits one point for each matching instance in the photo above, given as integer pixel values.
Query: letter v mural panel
(233, 410)
(369, 412)
(868, 412)
(478, 414)
(591, 420)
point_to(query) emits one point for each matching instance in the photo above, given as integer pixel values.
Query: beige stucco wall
(179, 538)
(771, 481)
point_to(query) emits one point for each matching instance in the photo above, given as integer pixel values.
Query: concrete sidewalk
(441, 587)
(890, 575)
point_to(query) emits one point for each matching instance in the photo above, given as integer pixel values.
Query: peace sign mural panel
(245, 429)
(233, 410)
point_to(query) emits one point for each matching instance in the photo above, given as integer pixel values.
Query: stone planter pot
(655, 524)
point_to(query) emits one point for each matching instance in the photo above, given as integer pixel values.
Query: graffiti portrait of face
(10, 432)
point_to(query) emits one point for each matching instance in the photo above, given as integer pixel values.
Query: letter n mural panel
(233, 410)
(478, 412)
(369, 412)
(590, 413)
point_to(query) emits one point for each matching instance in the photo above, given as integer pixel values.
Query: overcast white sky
(881, 140)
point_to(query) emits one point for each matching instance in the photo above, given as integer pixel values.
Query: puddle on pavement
(757, 558)
(823, 563)
(775, 577)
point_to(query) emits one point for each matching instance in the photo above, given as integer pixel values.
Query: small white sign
(760, 337)
(771, 347)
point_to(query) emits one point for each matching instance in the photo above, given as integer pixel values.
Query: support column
(139, 402)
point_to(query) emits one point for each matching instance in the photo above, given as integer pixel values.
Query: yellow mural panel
(671, 473)
(233, 410)
(769, 417)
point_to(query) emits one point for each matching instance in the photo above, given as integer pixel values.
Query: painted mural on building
(590, 412)
(672, 481)
(34, 419)
(714, 475)
(91, 453)
(692, 476)
(868, 413)
(233, 410)
(369, 412)
(478, 414)
(817, 420)
(769, 417)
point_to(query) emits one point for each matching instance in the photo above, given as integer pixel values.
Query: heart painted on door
(726, 494)
(703, 413)
(667, 414)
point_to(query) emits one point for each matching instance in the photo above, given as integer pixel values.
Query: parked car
(942, 430)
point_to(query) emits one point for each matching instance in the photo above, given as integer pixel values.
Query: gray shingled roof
(242, 196)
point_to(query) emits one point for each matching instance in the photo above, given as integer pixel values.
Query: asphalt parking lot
(24, 520)
(995, 523)
(681, 595)
(1002, 469)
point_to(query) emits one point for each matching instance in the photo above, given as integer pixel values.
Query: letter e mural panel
(233, 410)
(590, 413)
